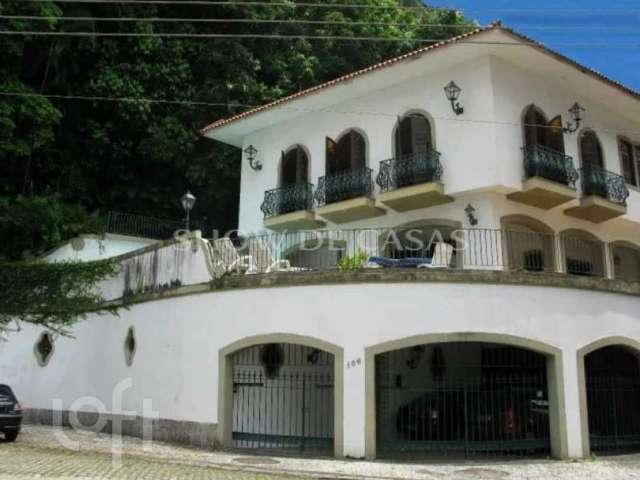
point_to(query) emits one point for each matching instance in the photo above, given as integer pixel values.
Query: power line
(307, 22)
(234, 20)
(230, 105)
(254, 4)
(546, 11)
(303, 37)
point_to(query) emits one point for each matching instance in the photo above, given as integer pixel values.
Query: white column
(572, 405)
(354, 398)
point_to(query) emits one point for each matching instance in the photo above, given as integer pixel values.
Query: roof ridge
(496, 25)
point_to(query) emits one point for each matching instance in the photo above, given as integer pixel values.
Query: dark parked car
(10, 414)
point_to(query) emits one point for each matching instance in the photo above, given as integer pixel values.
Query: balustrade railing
(543, 162)
(602, 183)
(345, 185)
(291, 198)
(407, 170)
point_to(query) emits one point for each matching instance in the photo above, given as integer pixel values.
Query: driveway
(45, 453)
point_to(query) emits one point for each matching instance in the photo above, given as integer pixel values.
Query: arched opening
(626, 261)
(590, 150)
(412, 135)
(583, 253)
(347, 154)
(294, 166)
(612, 379)
(280, 395)
(464, 399)
(347, 175)
(540, 132)
(529, 244)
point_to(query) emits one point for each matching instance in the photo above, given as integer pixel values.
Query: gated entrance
(463, 400)
(613, 399)
(283, 398)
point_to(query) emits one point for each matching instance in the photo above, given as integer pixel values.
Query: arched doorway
(626, 261)
(583, 253)
(346, 170)
(529, 244)
(462, 399)
(295, 192)
(612, 380)
(540, 132)
(281, 395)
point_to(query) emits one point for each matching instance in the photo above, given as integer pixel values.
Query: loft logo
(90, 414)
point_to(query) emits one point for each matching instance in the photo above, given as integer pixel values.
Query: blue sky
(608, 32)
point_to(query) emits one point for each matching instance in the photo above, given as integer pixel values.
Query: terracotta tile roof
(416, 53)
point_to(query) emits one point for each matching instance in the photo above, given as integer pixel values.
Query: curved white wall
(178, 340)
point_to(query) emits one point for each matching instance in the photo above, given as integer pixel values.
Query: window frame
(634, 150)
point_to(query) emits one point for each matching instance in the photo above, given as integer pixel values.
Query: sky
(603, 35)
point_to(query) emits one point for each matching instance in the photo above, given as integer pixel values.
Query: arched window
(590, 150)
(626, 261)
(348, 153)
(529, 244)
(583, 253)
(628, 163)
(294, 166)
(413, 135)
(537, 131)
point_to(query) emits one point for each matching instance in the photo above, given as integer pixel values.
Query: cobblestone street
(39, 453)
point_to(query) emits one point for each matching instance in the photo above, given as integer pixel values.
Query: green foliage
(354, 262)
(52, 295)
(31, 225)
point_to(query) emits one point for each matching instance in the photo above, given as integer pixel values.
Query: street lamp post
(188, 201)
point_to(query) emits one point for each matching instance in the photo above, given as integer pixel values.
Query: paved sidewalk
(39, 453)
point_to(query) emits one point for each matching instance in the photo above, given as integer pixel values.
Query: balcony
(549, 178)
(289, 208)
(412, 181)
(346, 196)
(604, 196)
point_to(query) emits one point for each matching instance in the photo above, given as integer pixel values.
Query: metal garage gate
(283, 399)
(613, 400)
(462, 400)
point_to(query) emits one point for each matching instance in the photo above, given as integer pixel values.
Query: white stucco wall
(93, 248)
(176, 364)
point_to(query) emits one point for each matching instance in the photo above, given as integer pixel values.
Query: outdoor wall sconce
(251, 153)
(453, 92)
(188, 201)
(576, 114)
(471, 215)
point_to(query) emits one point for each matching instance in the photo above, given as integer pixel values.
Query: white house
(418, 275)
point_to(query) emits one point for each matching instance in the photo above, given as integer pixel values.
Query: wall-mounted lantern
(251, 153)
(471, 215)
(188, 201)
(576, 115)
(453, 93)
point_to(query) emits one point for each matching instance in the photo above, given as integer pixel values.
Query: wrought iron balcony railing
(602, 183)
(345, 185)
(292, 198)
(130, 224)
(409, 170)
(543, 162)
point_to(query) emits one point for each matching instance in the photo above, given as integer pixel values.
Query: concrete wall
(176, 364)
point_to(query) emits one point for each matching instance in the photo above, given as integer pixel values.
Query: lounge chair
(264, 262)
(442, 255)
(225, 254)
(408, 262)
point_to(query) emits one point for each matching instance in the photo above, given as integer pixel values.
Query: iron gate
(614, 413)
(290, 407)
(496, 407)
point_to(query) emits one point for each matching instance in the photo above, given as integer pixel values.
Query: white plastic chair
(442, 255)
(226, 255)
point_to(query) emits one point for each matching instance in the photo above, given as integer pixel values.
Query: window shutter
(637, 161)
(357, 151)
(555, 136)
(331, 153)
(303, 165)
(421, 134)
(406, 136)
(627, 163)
